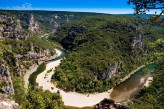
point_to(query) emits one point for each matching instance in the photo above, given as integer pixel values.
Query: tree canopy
(141, 6)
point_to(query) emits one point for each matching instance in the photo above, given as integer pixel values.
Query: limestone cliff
(6, 103)
(33, 25)
(10, 27)
(109, 104)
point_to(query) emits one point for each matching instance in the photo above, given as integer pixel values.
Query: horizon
(94, 6)
(63, 10)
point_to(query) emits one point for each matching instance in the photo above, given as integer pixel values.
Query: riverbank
(129, 88)
(72, 98)
(32, 69)
(130, 74)
(69, 98)
(28, 73)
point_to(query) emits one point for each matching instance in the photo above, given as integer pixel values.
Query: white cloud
(25, 6)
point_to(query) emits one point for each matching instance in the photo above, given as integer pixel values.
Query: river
(130, 87)
(123, 92)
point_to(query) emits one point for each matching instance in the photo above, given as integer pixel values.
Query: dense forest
(104, 49)
(21, 48)
(101, 51)
(35, 98)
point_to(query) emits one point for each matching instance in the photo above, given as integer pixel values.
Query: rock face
(138, 41)
(112, 70)
(9, 105)
(33, 26)
(138, 44)
(109, 104)
(21, 24)
(10, 27)
(6, 82)
(38, 55)
(6, 103)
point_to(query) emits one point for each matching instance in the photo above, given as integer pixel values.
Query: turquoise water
(42, 67)
(129, 88)
(63, 54)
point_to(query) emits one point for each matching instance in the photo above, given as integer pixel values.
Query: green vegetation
(151, 97)
(35, 98)
(103, 49)
(45, 76)
(10, 48)
(33, 76)
(3, 84)
(46, 19)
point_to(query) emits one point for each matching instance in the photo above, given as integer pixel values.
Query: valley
(87, 99)
(60, 60)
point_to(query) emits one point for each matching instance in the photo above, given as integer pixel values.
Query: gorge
(64, 59)
(85, 100)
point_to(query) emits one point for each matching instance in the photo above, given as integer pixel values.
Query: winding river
(130, 87)
(123, 92)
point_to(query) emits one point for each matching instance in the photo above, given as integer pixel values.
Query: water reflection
(129, 88)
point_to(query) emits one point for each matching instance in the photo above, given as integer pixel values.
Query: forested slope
(103, 49)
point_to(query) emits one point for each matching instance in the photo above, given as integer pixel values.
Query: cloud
(25, 6)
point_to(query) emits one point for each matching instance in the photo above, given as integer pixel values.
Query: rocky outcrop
(22, 24)
(112, 70)
(6, 103)
(138, 45)
(138, 40)
(109, 104)
(10, 27)
(33, 25)
(6, 84)
(32, 54)
(9, 105)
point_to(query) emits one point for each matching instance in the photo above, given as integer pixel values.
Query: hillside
(102, 50)
(22, 45)
(20, 24)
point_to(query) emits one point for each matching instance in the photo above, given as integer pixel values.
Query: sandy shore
(69, 98)
(33, 69)
(148, 81)
(28, 73)
(73, 98)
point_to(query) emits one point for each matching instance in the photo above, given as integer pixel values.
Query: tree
(141, 6)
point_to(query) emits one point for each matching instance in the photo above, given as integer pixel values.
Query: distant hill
(139, 15)
(46, 21)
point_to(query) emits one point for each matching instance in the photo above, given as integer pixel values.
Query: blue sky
(102, 6)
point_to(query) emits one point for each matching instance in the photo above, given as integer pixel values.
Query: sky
(100, 6)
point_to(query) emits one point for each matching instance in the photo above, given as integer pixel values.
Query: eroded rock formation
(6, 103)
(109, 104)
